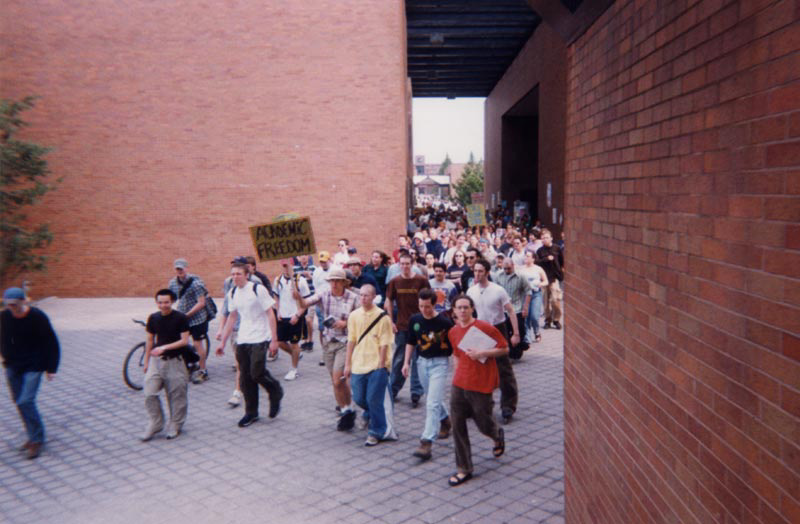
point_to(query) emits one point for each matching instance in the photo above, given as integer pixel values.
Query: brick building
(664, 134)
(177, 125)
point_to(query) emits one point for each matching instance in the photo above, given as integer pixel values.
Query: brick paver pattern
(294, 469)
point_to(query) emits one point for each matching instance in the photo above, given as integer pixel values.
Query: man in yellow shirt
(369, 358)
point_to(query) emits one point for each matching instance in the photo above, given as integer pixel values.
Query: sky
(441, 126)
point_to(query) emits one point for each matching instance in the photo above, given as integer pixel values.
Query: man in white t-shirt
(251, 303)
(290, 315)
(321, 284)
(492, 303)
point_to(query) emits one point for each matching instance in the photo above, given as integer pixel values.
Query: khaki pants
(552, 301)
(173, 377)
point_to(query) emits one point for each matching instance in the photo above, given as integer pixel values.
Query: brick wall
(176, 125)
(542, 62)
(682, 364)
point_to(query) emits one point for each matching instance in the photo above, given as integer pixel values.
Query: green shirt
(516, 286)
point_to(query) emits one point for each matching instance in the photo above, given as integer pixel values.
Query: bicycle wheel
(133, 370)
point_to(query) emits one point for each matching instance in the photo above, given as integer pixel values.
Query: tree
(471, 181)
(445, 164)
(23, 183)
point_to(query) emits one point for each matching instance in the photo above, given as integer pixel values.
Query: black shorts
(288, 332)
(199, 331)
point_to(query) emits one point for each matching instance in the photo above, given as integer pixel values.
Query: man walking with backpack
(252, 304)
(191, 293)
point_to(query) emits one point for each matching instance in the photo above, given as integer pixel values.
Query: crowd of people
(474, 293)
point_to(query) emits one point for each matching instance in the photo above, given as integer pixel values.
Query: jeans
(371, 393)
(433, 375)
(535, 311)
(398, 358)
(24, 385)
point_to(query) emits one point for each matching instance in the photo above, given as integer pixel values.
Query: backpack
(255, 287)
(210, 307)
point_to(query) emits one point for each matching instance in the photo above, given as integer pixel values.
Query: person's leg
(556, 301)
(460, 411)
(396, 378)
(509, 392)
(358, 385)
(247, 385)
(548, 314)
(28, 386)
(435, 372)
(482, 406)
(535, 312)
(176, 382)
(379, 399)
(199, 334)
(335, 355)
(153, 382)
(260, 373)
(416, 387)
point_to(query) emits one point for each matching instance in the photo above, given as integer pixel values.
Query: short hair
(474, 250)
(251, 260)
(404, 255)
(440, 265)
(166, 292)
(241, 266)
(427, 294)
(484, 263)
(545, 230)
(346, 242)
(464, 296)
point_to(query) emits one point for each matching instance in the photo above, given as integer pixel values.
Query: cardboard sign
(476, 214)
(283, 239)
(477, 198)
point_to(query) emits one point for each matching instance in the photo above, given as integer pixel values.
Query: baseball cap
(180, 263)
(239, 260)
(324, 256)
(14, 293)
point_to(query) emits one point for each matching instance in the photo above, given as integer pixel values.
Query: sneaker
(424, 450)
(200, 377)
(371, 441)
(173, 434)
(149, 433)
(444, 428)
(247, 420)
(307, 346)
(275, 404)
(347, 421)
(547, 325)
(34, 450)
(236, 399)
(321, 362)
(557, 324)
(291, 375)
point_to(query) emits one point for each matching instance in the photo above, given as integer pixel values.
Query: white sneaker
(235, 399)
(291, 375)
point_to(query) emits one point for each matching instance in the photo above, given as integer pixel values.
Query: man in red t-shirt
(474, 381)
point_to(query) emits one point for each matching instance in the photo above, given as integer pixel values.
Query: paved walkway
(293, 469)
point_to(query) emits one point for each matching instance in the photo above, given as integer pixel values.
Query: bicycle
(133, 368)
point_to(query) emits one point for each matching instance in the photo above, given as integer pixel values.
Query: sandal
(459, 478)
(499, 444)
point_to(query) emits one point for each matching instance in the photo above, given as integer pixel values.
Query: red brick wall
(176, 125)
(542, 62)
(682, 363)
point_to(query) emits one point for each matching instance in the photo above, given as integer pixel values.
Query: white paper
(477, 339)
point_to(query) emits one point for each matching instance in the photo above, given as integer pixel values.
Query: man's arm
(184, 341)
(382, 352)
(348, 359)
(201, 303)
(513, 317)
(230, 321)
(387, 305)
(407, 359)
(273, 328)
(148, 347)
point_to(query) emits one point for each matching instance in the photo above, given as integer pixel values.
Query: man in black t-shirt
(427, 332)
(164, 367)
(551, 259)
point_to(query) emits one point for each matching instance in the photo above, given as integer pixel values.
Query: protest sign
(283, 239)
(476, 214)
(477, 198)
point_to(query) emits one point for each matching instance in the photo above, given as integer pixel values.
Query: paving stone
(295, 468)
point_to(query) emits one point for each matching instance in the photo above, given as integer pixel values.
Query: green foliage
(471, 181)
(23, 182)
(445, 164)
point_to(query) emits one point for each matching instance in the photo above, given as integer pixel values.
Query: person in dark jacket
(551, 259)
(29, 347)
